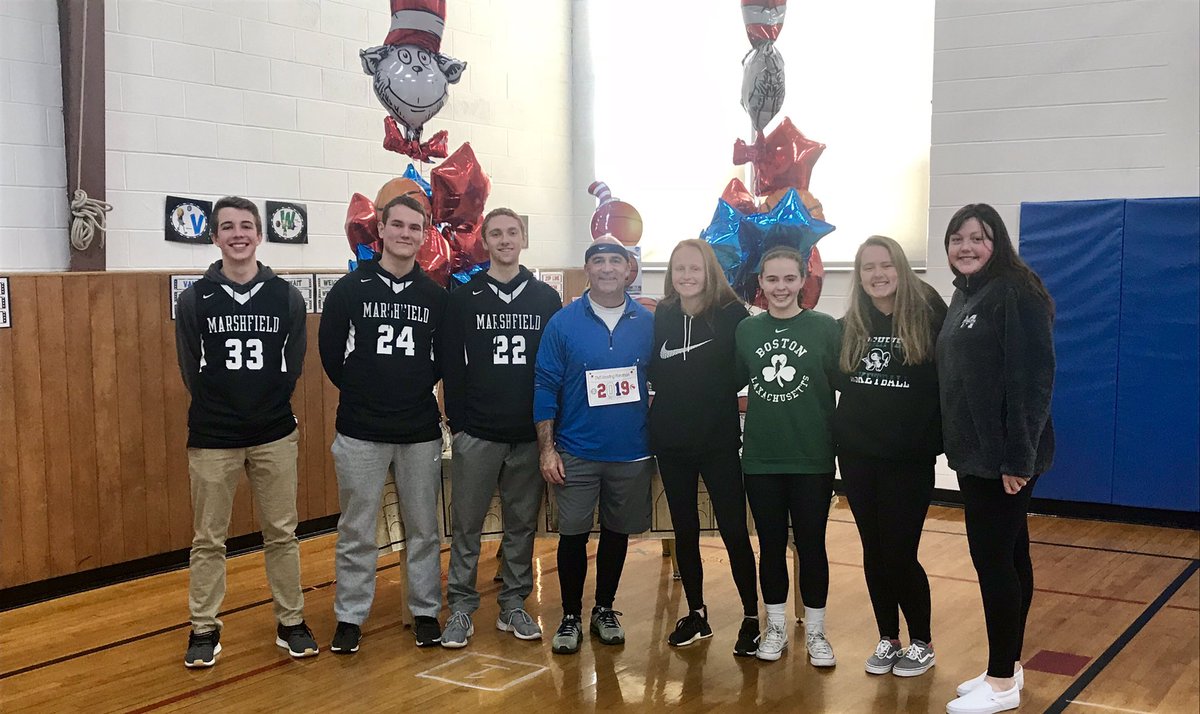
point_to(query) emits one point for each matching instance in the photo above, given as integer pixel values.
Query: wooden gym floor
(1115, 627)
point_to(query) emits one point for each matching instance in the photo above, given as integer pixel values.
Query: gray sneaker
(917, 660)
(887, 653)
(606, 626)
(518, 622)
(458, 629)
(568, 637)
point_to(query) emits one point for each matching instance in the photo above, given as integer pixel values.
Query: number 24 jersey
(378, 342)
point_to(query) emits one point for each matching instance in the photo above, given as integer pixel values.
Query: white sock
(814, 620)
(777, 615)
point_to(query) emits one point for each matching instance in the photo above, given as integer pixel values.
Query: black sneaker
(203, 648)
(427, 631)
(689, 629)
(345, 638)
(747, 641)
(297, 639)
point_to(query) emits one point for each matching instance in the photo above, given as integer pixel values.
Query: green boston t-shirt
(790, 365)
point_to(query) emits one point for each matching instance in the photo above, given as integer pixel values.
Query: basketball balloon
(613, 217)
(401, 187)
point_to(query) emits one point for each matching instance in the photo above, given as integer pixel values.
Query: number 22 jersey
(492, 334)
(378, 343)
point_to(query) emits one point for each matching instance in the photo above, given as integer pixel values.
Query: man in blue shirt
(590, 402)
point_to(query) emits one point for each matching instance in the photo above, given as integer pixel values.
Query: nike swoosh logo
(205, 297)
(364, 280)
(476, 292)
(777, 330)
(665, 353)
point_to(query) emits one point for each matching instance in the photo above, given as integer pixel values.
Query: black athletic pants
(572, 568)
(889, 500)
(721, 470)
(998, 536)
(805, 497)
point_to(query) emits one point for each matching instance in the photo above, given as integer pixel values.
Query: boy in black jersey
(239, 332)
(493, 328)
(378, 335)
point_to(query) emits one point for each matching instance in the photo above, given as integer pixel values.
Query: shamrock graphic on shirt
(779, 371)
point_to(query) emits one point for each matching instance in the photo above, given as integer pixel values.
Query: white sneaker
(773, 642)
(984, 700)
(820, 652)
(967, 686)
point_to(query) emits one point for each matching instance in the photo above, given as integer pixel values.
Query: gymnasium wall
(267, 99)
(33, 179)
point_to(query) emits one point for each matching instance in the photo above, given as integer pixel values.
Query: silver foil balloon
(762, 84)
(411, 82)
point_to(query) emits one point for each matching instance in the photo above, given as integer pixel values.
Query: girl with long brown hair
(888, 432)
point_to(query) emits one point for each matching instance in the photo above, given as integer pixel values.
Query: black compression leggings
(998, 536)
(889, 500)
(722, 473)
(572, 568)
(805, 498)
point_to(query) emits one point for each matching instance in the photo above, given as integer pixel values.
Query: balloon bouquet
(782, 164)
(617, 221)
(411, 78)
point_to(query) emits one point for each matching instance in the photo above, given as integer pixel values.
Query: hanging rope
(87, 214)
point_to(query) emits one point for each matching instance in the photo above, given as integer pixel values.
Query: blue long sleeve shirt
(576, 341)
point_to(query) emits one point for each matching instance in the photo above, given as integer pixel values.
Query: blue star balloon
(722, 235)
(789, 223)
(411, 173)
(463, 277)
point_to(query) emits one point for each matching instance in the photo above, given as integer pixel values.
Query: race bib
(612, 386)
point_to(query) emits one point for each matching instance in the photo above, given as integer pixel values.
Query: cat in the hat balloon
(411, 76)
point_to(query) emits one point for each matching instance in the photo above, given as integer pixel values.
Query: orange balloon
(401, 187)
(647, 302)
(811, 202)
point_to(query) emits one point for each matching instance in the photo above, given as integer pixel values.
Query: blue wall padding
(1075, 246)
(1157, 460)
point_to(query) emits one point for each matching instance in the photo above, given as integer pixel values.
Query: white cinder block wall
(1048, 100)
(267, 99)
(33, 179)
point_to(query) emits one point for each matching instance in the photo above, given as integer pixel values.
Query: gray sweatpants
(362, 470)
(477, 468)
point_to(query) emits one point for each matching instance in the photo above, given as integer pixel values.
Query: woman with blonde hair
(888, 432)
(695, 430)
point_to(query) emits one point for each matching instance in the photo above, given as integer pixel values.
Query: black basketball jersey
(242, 385)
(493, 331)
(377, 343)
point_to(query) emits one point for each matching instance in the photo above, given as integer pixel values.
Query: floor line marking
(539, 669)
(1105, 706)
(1098, 665)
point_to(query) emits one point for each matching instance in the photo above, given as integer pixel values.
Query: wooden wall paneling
(81, 415)
(31, 449)
(177, 400)
(314, 445)
(12, 559)
(107, 416)
(152, 304)
(56, 427)
(329, 479)
(299, 409)
(129, 397)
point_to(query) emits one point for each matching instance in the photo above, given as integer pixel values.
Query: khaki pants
(271, 469)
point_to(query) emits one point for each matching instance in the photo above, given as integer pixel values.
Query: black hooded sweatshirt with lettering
(378, 343)
(241, 349)
(888, 409)
(491, 338)
(695, 406)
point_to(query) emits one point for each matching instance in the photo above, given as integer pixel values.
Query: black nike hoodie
(695, 406)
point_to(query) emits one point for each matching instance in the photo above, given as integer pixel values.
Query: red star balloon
(737, 195)
(460, 189)
(782, 159)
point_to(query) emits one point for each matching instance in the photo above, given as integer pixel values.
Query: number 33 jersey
(378, 342)
(492, 335)
(241, 348)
